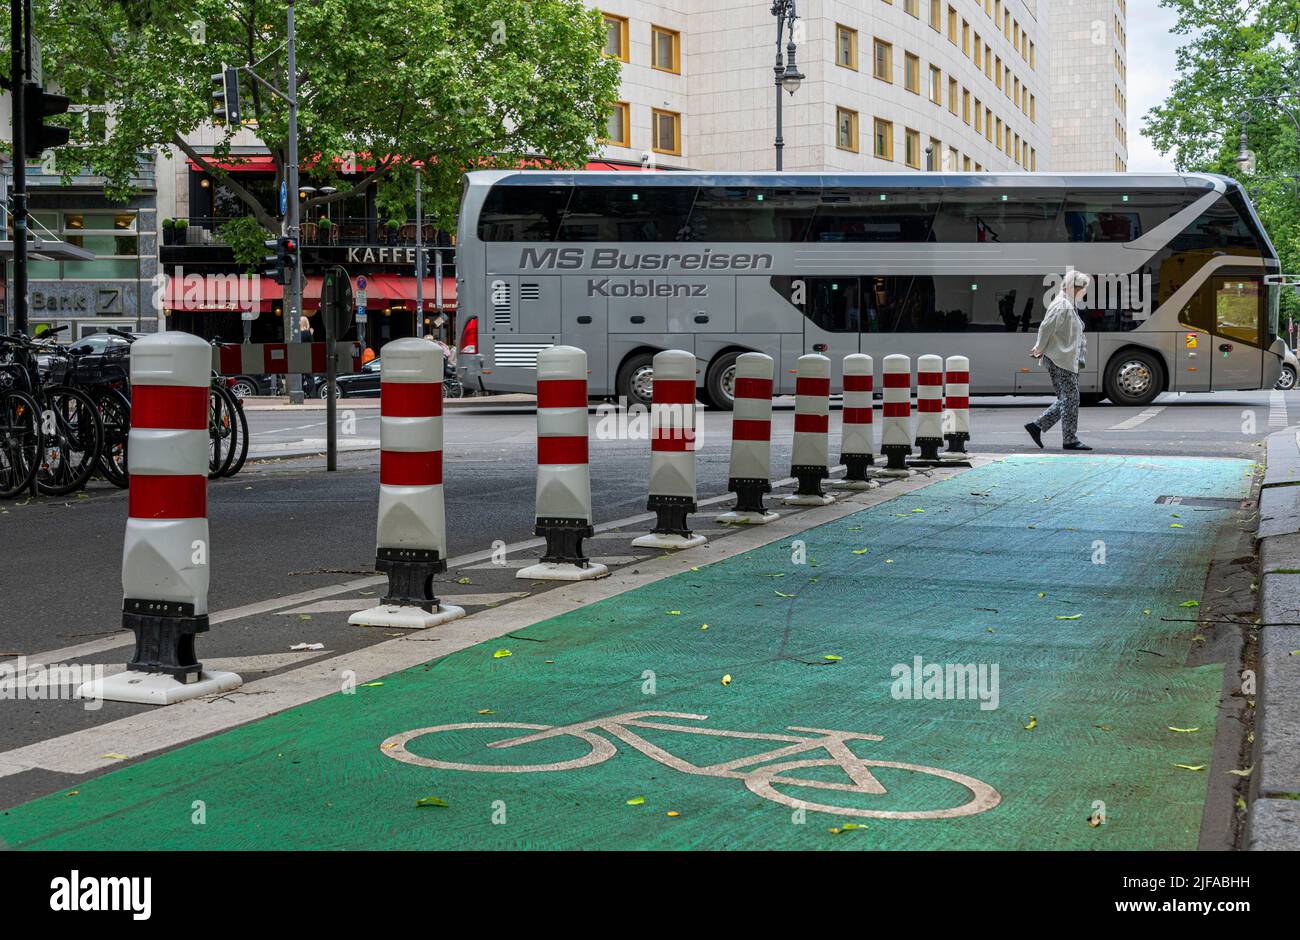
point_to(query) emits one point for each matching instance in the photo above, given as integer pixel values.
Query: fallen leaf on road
(1241, 804)
(889, 561)
(72, 793)
(1033, 723)
(113, 756)
(847, 827)
(1190, 766)
(1042, 594)
(704, 626)
(389, 746)
(636, 801)
(861, 551)
(1095, 819)
(371, 685)
(1184, 730)
(501, 654)
(486, 711)
(1068, 616)
(832, 658)
(304, 616)
(1102, 727)
(464, 581)
(673, 613)
(779, 594)
(672, 812)
(430, 801)
(1242, 773)
(1190, 604)
(1175, 525)
(726, 680)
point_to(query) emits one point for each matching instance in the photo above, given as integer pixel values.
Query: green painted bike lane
(976, 570)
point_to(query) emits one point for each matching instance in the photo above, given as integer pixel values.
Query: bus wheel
(1135, 377)
(720, 383)
(636, 379)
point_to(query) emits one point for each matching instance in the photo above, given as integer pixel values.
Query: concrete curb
(1274, 821)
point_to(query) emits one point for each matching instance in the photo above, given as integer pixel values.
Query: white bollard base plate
(406, 618)
(747, 518)
(954, 458)
(155, 688)
(896, 474)
(824, 500)
(550, 571)
(668, 541)
(854, 485)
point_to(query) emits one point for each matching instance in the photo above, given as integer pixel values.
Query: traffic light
(225, 96)
(284, 259)
(272, 260)
(39, 105)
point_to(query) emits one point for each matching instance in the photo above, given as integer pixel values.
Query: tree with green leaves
(383, 85)
(1240, 70)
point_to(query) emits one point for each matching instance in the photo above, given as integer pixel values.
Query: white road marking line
(147, 732)
(125, 638)
(1138, 419)
(1276, 409)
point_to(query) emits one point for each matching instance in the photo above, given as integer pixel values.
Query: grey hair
(1075, 280)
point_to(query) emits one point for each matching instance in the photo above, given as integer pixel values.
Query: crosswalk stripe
(1138, 419)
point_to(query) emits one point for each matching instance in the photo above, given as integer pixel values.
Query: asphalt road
(285, 526)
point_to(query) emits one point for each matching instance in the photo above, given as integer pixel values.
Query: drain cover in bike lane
(1035, 586)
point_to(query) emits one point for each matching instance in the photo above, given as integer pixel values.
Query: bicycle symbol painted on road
(760, 780)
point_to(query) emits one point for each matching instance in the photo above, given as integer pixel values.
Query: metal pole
(18, 79)
(419, 252)
(331, 376)
(778, 69)
(293, 309)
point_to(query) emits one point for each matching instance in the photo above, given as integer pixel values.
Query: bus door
(1237, 346)
(832, 310)
(584, 322)
(1193, 360)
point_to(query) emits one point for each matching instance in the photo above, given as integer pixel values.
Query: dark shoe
(1077, 445)
(1035, 432)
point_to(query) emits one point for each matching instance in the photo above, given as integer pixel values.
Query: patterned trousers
(1066, 406)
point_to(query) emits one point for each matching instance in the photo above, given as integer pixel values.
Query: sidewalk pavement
(1275, 815)
(758, 692)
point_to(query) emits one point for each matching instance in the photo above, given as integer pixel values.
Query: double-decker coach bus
(626, 264)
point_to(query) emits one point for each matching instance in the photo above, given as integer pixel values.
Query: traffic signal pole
(291, 332)
(17, 88)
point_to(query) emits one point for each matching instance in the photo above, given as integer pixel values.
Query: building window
(951, 164)
(665, 49)
(1033, 159)
(988, 124)
(997, 70)
(933, 154)
(965, 163)
(667, 127)
(979, 62)
(936, 85)
(883, 65)
(965, 105)
(912, 73)
(617, 126)
(952, 95)
(979, 117)
(1032, 63)
(913, 149)
(1033, 109)
(846, 129)
(882, 144)
(936, 15)
(912, 8)
(616, 36)
(846, 47)
(965, 38)
(110, 235)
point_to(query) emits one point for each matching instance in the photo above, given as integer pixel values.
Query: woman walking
(1064, 349)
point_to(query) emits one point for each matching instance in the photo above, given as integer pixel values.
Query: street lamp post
(786, 71)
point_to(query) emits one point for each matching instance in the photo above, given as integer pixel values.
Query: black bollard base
(855, 466)
(564, 540)
(749, 493)
(410, 576)
(810, 479)
(957, 441)
(929, 452)
(896, 458)
(670, 514)
(164, 637)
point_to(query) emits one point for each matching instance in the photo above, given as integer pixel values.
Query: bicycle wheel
(395, 747)
(115, 413)
(220, 433)
(72, 437)
(20, 442)
(239, 448)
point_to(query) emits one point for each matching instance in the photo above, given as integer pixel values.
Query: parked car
(365, 384)
(1290, 367)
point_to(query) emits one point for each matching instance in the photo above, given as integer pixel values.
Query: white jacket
(1060, 335)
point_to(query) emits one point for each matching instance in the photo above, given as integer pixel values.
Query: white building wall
(1090, 59)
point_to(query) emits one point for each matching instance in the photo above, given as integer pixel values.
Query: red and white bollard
(956, 418)
(411, 534)
(672, 452)
(857, 437)
(896, 414)
(810, 455)
(166, 552)
(563, 477)
(750, 473)
(929, 410)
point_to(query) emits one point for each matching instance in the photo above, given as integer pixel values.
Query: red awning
(398, 287)
(220, 292)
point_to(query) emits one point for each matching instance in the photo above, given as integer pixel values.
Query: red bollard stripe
(562, 450)
(898, 380)
(167, 497)
(929, 378)
(753, 388)
(743, 429)
(674, 391)
(410, 399)
(667, 440)
(897, 409)
(410, 468)
(857, 383)
(959, 378)
(812, 424)
(857, 415)
(175, 407)
(807, 385)
(562, 393)
(317, 357)
(929, 405)
(955, 401)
